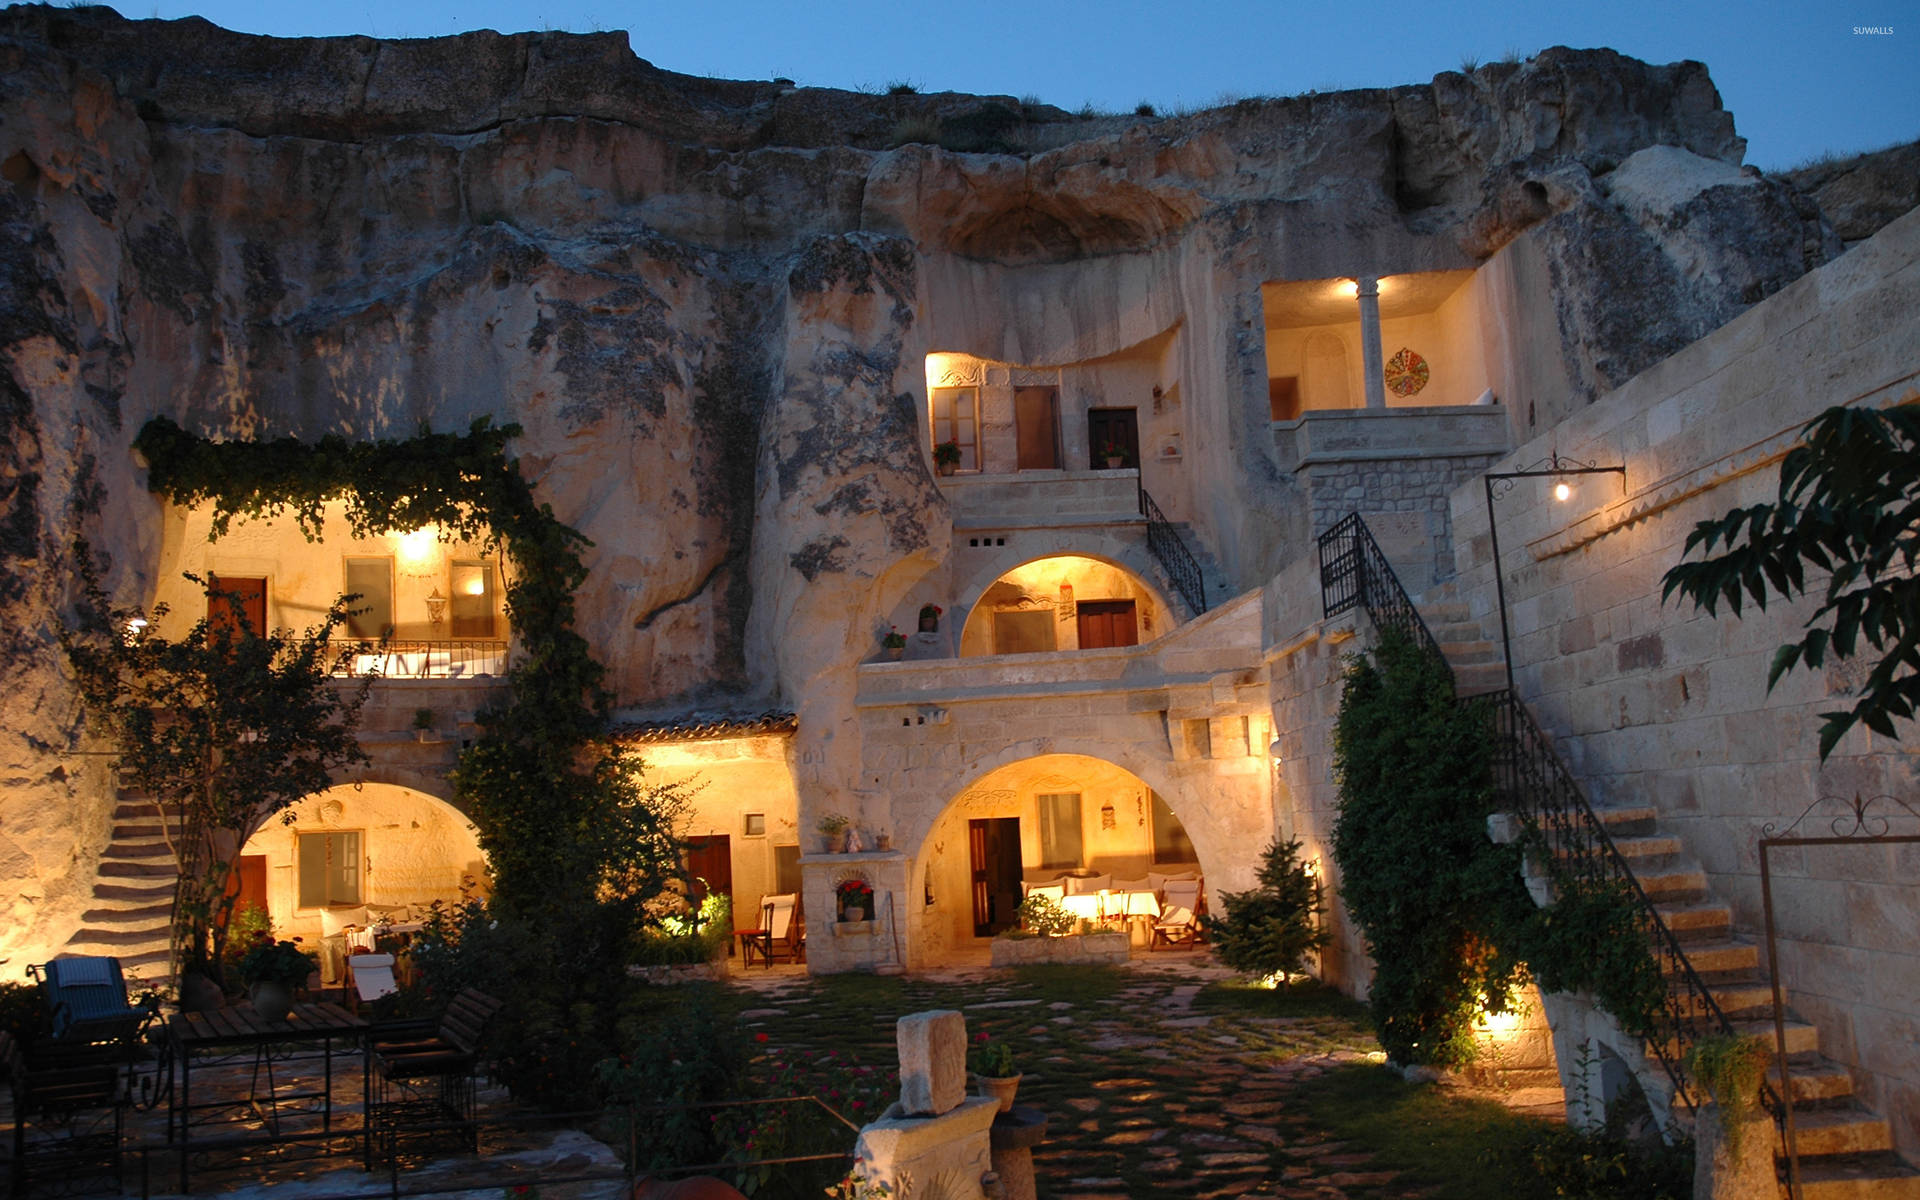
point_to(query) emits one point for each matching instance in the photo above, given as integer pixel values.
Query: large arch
(1130, 559)
(1144, 818)
(342, 855)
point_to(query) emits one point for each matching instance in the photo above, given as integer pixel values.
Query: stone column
(1372, 365)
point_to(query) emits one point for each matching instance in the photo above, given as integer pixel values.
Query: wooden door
(252, 595)
(247, 882)
(1111, 428)
(1106, 623)
(709, 867)
(993, 851)
(1036, 423)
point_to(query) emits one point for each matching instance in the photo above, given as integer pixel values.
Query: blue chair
(87, 999)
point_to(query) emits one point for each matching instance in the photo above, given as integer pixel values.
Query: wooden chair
(782, 932)
(427, 1083)
(1179, 923)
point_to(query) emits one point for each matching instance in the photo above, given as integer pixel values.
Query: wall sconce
(436, 606)
(1107, 817)
(1274, 751)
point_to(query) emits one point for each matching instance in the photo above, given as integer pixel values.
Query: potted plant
(833, 830)
(271, 970)
(930, 618)
(855, 897)
(1115, 454)
(946, 457)
(993, 1070)
(895, 643)
(423, 724)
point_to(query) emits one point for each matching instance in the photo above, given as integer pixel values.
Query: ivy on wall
(1445, 913)
(545, 806)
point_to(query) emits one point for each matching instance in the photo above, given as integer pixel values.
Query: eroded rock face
(708, 302)
(1862, 193)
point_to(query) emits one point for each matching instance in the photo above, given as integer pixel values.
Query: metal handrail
(1533, 782)
(1174, 557)
(443, 658)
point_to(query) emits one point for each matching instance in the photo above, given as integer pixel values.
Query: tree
(1270, 929)
(222, 728)
(1849, 506)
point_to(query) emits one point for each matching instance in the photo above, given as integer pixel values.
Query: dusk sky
(1802, 79)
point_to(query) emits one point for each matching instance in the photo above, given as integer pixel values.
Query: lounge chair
(1179, 921)
(370, 976)
(87, 1000)
(782, 932)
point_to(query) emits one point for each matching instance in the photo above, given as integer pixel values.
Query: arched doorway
(356, 855)
(1033, 821)
(1064, 602)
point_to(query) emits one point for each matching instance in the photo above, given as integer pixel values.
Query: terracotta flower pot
(1000, 1087)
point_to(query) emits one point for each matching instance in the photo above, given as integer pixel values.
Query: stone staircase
(1846, 1151)
(1213, 577)
(132, 904)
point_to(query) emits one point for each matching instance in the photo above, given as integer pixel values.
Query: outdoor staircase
(1845, 1151)
(132, 907)
(1217, 587)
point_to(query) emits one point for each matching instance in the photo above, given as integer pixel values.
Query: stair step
(150, 964)
(1645, 846)
(1698, 920)
(143, 869)
(140, 830)
(130, 810)
(1742, 998)
(1672, 883)
(1802, 1036)
(129, 849)
(1850, 1130)
(1859, 1177)
(161, 910)
(1820, 1079)
(146, 936)
(1724, 958)
(1445, 612)
(1619, 818)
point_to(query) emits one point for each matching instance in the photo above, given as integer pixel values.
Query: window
(1023, 632)
(1170, 841)
(372, 580)
(753, 825)
(786, 873)
(956, 419)
(1059, 829)
(472, 603)
(329, 869)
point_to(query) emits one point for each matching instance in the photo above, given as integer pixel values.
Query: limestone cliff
(708, 303)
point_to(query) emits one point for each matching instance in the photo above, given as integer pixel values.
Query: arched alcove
(1063, 602)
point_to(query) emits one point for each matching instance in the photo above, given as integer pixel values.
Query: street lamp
(1499, 483)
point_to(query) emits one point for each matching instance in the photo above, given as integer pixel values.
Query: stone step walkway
(132, 905)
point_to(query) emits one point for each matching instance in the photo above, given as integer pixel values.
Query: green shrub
(23, 1013)
(1272, 928)
(1435, 897)
(694, 937)
(1043, 917)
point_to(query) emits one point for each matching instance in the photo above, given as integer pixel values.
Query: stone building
(734, 319)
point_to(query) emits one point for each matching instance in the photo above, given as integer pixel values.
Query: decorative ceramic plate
(1406, 373)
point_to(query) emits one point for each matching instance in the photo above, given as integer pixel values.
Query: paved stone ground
(1148, 1094)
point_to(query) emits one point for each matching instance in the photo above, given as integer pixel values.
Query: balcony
(1044, 499)
(464, 659)
(1325, 436)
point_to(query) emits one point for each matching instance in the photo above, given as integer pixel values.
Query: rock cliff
(709, 301)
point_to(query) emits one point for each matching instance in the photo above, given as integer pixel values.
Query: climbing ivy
(1436, 899)
(545, 803)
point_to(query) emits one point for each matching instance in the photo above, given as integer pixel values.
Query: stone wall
(1660, 704)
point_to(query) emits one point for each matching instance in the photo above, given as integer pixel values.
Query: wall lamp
(1499, 483)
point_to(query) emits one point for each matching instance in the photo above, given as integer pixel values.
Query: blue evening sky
(1800, 81)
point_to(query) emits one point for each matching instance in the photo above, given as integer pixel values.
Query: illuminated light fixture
(136, 626)
(418, 544)
(436, 606)
(1274, 750)
(475, 585)
(1562, 490)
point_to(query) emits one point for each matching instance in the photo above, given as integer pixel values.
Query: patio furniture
(426, 1085)
(69, 1110)
(370, 976)
(87, 999)
(782, 932)
(1179, 920)
(241, 1028)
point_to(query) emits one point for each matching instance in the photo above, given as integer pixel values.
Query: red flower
(759, 1037)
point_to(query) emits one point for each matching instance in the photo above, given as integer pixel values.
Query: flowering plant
(895, 640)
(946, 454)
(853, 891)
(833, 823)
(930, 612)
(991, 1059)
(277, 962)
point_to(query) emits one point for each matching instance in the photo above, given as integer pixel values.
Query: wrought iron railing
(1175, 559)
(1355, 574)
(463, 659)
(1533, 783)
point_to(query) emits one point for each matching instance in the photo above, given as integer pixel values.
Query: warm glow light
(416, 546)
(1347, 289)
(474, 586)
(1562, 490)
(1497, 1025)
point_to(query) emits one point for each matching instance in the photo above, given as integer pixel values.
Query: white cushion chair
(371, 976)
(1179, 923)
(1087, 885)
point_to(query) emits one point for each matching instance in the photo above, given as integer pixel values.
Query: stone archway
(360, 850)
(1020, 584)
(1060, 812)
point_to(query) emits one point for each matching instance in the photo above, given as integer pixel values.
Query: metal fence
(392, 659)
(1174, 557)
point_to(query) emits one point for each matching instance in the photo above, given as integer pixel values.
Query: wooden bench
(444, 1063)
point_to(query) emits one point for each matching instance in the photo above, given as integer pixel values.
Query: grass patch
(1461, 1149)
(1072, 983)
(1248, 999)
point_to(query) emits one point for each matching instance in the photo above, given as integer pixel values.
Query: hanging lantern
(1107, 816)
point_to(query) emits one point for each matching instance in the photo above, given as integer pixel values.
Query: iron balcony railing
(393, 659)
(1533, 783)
(1174, 557)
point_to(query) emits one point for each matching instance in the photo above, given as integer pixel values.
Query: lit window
(1060, 844)
(329, 869)
(956, 419)
(372, 580)
(472, 602)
